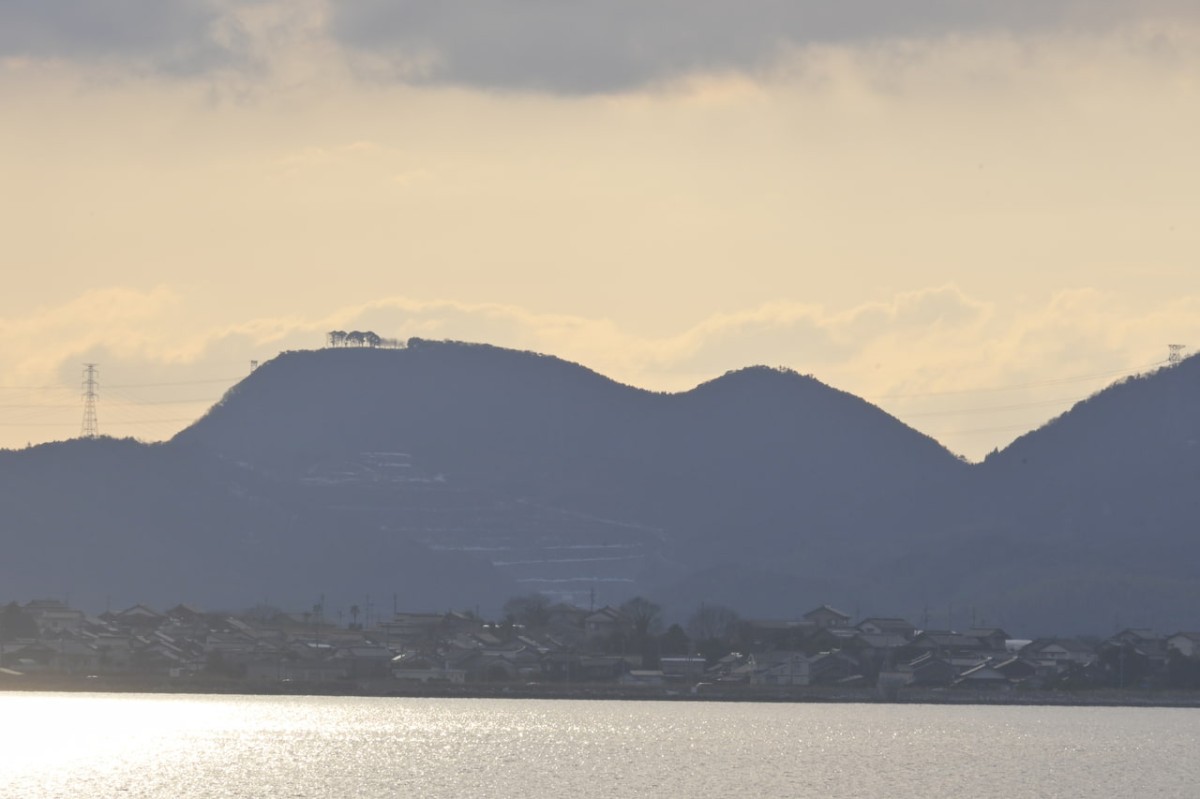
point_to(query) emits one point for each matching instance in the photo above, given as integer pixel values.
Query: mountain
(1104, 502)
(458, 475)
(580, 483)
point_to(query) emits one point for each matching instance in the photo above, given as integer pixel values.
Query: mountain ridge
(528, 472)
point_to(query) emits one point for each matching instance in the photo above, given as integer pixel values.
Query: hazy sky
(972, 213)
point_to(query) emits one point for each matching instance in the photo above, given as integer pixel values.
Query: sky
(970, 213)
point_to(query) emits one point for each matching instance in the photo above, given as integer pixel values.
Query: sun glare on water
(59, 744)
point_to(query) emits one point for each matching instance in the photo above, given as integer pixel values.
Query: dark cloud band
(560, 46)
(580, 46)
(180, 36)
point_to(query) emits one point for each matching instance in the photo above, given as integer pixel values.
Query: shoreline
(704, 692)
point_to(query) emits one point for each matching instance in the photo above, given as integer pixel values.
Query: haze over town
(971, 215)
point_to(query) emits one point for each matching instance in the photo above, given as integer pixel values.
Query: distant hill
(108, 521)
(467, 473)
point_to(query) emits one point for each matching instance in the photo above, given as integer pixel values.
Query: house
(992, 638)
(605, 622)
(1148, 642)
(317, 671)
(930, 671)
(186, 614)
(825, 616)
(733, 668)
(1132, 657)
(1186, 644)
(832, 667)
(780, 668)
(458, 622)
(28, 658)
(160, 654)
(764, 634)
(983, 676)
(887, 626)
(563, 616)
(366, 662)
(137, 618)
(877, 643)
(1016, 669)
(510, 663)
(1053, 655)
(642, 677)
(875, 653)
(603, 669)
(114, 651)
(827, 639)
(682, 668)
(418, 668)
(560, 667)
(412, 630)
(946, 643)
(233, 647)
(52, 616)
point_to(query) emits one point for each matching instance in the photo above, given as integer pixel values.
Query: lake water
(106, 745)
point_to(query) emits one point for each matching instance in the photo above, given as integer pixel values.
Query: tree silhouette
(674, 641)
(16, 623)
(530, 610)
(360, 338)
(713, 622)
(642, 614)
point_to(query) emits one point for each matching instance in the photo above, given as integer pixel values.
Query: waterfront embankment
(709, 692)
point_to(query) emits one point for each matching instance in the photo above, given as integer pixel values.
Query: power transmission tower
(1175, 353)
(91, 390)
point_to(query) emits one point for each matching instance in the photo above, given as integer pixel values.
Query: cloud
(35, 346)
(179, 37)
(934, 335)
(577, 46)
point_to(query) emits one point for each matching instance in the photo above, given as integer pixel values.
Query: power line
(40, 405)
(1018, 386)
(136, 402)
(991, 408)
(1004, 429)
(160, 421)
(180, 383)
(125, 400)
(121, 424)
(60, 387)
(64, 424)
(35, 424)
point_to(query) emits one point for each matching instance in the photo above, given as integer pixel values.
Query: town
(555, 647)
